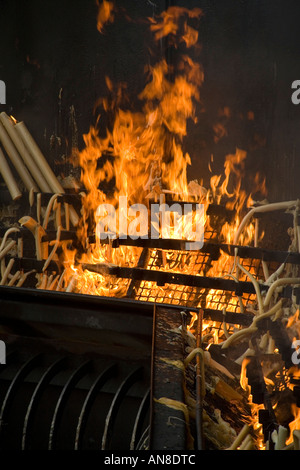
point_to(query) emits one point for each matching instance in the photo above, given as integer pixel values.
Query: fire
(105, 14)
(13, 119)
(243, 376)
(169, 25)
(140, 156)
(295, 424)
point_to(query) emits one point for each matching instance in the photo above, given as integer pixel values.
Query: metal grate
(207, 278)
(197, 263)
(187, 262)
(203, 263)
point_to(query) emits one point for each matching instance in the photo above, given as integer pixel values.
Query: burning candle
(16, 159)
(8, 178)
(43, 165)
(24, 153)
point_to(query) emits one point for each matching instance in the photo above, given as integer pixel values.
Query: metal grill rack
(201, 282)
(168, 274)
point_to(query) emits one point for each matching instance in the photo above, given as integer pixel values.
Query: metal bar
(14, 387)
(21, 233)
(140, 417)
(221, 211)
(27, 264)
(199, 388)
(64, 235)
(216, 210)
(86, 311)
(115, 405)
(142, 263)
(29, 298)
(245, 252)
(62, 400)
(167, 378)
(168, 244)
(74, 199)
(213, 249)
(217, 353)
(261, 254)
(235, 318)
(162, 277)
(52, 370)
(88, 402)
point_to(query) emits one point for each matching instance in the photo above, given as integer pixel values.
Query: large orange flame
(141, 156)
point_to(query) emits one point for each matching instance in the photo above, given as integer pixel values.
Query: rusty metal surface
(167, 398)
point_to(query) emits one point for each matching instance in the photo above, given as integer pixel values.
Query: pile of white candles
(18, 145)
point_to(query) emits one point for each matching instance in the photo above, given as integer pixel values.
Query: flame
(227, 188)
(168, 24)
(243, 375)
(105, 14)
(295, 424)
(140, 155)
(13, 119)
(293, 319)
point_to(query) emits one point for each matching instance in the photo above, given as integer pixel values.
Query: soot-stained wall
(53, 61)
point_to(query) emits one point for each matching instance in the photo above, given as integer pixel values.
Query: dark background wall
(54, 62)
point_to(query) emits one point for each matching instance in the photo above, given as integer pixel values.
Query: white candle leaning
(8, 178)
(54, 249)
(39, 158)
(24, 277)
(71, 284)
(43, 165)
(7, 248)
(7, 271)
(53, 283)
(14, 278)
(60, 281)
(6, 235)
(240, 437)
(16, 159)
(24, 153)
(42, 283)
